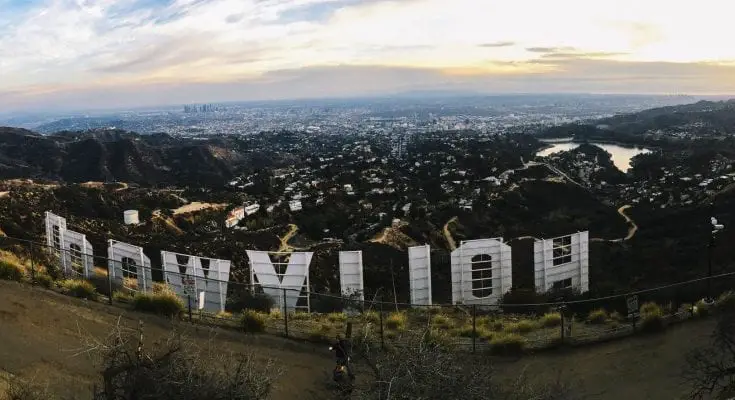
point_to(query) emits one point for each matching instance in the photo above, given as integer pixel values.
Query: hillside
(114, 156)
(42, 332)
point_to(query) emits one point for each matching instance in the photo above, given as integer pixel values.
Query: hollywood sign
(481, 270)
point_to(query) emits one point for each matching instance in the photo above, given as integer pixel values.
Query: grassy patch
(10, 271)
(321, 332)
(442, 322)
(507, 345)
(652, 318)
(79, 288)
(702, 309)
(122, 296)
(396, 321)
(726, 302)
(550, 320)
(164, 303)
(299, 316)
(337, 317)
(522, 326)
(371, 316)
(597, 317)
(253, 321)
(44, 280)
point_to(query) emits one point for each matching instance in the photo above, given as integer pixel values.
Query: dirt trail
(631, 230)
(448, 235)
(41, 331)
(285, 247)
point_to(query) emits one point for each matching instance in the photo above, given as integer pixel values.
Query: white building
(234, 217)
(295, 205)
(252, 209)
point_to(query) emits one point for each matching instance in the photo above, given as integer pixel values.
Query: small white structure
(294, 278)
(73, 249)
(234, 217)
(196, 277)
(562, 262)
(252, 209)
(482, 271)
(351, 273)
(131, 217)
(128, 266)
(419, 274)
(295, 205)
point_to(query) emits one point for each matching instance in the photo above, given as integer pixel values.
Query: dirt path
(198, 206)
(640, 367)
(285, 247)
(40, 332)
(448, 235)
(631, 230)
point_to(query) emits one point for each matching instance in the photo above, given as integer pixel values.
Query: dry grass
(396, 321)
(510, 344)
(78, 288)
(597, 317)
(522, 326)
(551, 320)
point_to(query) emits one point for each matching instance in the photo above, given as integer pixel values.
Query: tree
(710, 370)
(424, 369)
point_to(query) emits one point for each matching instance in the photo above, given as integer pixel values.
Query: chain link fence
(320, 317)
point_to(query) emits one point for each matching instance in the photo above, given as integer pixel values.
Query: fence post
(33, 267)
(188, 297)
(382, 336)
(561, 313)
(109, 281)
(474, 328)
(285, 313)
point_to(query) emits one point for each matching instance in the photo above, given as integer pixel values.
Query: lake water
(620, 155)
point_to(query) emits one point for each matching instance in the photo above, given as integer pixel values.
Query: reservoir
(621, 155)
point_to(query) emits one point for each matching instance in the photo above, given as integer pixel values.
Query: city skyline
(107, 53)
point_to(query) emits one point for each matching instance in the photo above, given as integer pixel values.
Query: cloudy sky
(111, 53)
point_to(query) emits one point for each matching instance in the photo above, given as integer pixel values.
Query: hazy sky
(139, 52)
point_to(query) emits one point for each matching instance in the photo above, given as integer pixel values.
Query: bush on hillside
(337, 317)
(246, 300)
(396, 321)
(652, 318)
(507, 345)
(371, 316)
(322, 332)
(550, 320)
(597, 317)
(702, 309)
(44, 280)
(726, 302)
(78, 288)
(441, 321)
(522, 326)
(10, 272)
(253, 321)
(167, 304)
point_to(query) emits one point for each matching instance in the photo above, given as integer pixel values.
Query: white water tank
(131, 217)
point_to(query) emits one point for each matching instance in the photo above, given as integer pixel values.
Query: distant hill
(114, 155)
(704, 118)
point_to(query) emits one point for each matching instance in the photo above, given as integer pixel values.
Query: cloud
(498, 44)
(102, 44)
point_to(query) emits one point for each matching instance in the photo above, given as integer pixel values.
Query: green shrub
(163, 303)
(442, 322)
(299, 316)
(122, 296)
(483, 321)
(616, 316)
(45, 280)
(396, 321)
(246, 300)
(438, 338)
(466, 331)
(371, 316)
(507, 345)
(550, 320)
(652, 318)
(337, 317)
(497, 325)
(726, 302)
(275, 313)
(321, 332)
(702, 309)
(522, 326)
(253, 321)
(597, 317)
(10, 272)
(79, 288)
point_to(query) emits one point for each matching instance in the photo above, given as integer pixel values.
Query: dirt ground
(40, 333)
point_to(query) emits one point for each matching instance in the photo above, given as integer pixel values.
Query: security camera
(713, 220)
(719, 227)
